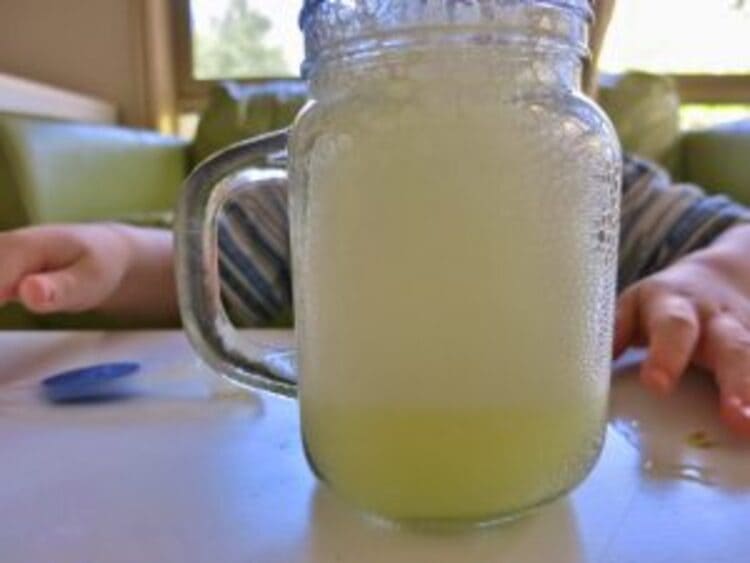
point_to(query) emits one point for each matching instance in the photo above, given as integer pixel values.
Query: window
(234, 39)
(679, 37)
(704, 44)
(245, 39)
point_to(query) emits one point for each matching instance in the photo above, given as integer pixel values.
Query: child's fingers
(70, 290)
(29, 251)
(735, 414)
(36, 291)
(671, 327)
(15, 261)
(626, 320)
(728, 354)
(728, 349)
(48, 292)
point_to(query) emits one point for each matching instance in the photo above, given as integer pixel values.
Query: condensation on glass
(454, 205)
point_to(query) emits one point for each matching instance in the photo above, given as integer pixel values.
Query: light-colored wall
(96, 47)
(20, 95)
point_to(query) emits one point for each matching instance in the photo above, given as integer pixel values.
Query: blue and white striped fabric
(661, 222)
(254, 258)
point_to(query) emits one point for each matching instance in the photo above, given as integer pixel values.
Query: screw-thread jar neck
(351, 33)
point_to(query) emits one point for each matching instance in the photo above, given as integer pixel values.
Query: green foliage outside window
(232, 46)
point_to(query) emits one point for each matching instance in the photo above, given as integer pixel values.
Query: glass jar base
(442, 526)
(448, 525)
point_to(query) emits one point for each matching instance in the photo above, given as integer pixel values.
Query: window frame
(713, 88)
(193, 93)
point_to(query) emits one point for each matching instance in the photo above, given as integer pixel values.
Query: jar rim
(309, 7)
(330, 24)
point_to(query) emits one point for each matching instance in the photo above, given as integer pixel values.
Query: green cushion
(236, 112)
(56, 171)
(645, 110)
(719, 159)
(93, 321)
(15, 317)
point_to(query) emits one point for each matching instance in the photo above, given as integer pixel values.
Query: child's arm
(254, 256)
(685, 272)
(128, 272)
(114, 269)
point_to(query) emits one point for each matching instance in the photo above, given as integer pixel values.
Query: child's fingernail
(745, 390)
(37, 292)
(742, 410)
(46, 291)
(735, 402)
(740, 405)
(661, 380)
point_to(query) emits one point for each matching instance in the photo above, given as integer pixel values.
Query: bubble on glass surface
(482, 162)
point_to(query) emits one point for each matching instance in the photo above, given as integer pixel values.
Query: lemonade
(458, 283)
(464, 464)
(454, 213)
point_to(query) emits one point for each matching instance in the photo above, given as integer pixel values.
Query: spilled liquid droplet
(679, 437)
(652, 463)
(701, 440)
(685, 472)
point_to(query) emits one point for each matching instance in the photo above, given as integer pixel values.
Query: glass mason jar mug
(454, 207)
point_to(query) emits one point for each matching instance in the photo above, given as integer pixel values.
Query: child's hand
(126, 272)
(697, 310)
(68, 268)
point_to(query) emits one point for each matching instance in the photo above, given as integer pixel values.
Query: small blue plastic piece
(92, 383)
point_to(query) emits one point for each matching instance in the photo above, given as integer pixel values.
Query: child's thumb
(56, 292)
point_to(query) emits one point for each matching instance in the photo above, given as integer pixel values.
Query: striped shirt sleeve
(662, 221)
(254, 256)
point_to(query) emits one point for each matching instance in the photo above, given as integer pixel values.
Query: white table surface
(196, 470)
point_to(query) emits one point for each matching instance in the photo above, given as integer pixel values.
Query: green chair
(56, 171)
(644, 109)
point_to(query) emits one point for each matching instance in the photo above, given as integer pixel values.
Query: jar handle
(205, 320)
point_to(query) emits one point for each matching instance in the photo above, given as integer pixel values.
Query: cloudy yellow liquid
(452, 298)
(456, 464)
